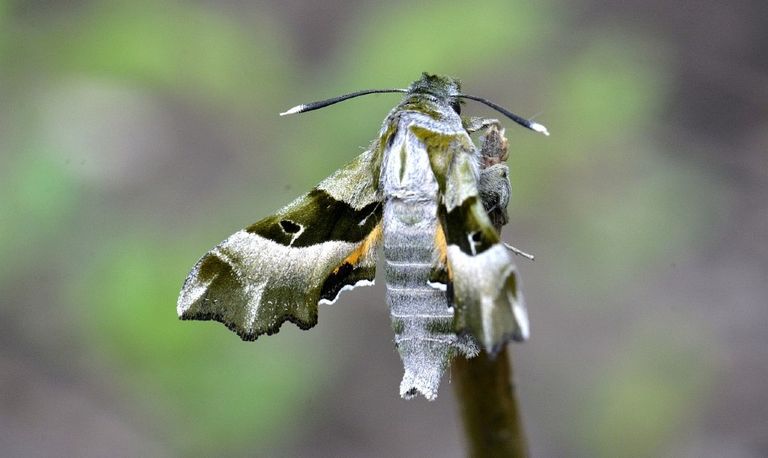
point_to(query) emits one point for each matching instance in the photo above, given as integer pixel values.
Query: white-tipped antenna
(324, 103)
(294, 110)
(534, 126)
(539, 128)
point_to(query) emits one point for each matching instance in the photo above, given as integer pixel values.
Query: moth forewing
(279, 268)
(486, 295)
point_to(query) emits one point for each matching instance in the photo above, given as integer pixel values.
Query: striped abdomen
(421, 317)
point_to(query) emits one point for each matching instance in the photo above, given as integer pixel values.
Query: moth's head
(444, 88)
(439, 86)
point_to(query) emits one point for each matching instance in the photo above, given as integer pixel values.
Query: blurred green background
(135, 135)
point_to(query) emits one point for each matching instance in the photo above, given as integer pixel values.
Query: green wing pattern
(280, 268)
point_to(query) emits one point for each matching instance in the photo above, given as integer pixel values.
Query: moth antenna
(534, 126)
(324, 103)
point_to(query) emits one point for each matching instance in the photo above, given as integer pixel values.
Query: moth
(419, 191)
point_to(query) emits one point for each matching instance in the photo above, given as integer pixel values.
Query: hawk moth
(419, 192)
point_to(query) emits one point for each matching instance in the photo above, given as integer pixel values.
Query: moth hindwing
(437, 203)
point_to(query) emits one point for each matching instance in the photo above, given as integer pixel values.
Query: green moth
(424, 192)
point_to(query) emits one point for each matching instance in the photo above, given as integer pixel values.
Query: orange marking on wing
(363, 249)
(442, 249)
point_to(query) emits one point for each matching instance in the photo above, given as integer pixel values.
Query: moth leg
(494, 186)
(519, 252)
(494, 180)
(475, 124)
(495, 147)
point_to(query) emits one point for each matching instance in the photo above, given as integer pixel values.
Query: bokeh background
(135, 135)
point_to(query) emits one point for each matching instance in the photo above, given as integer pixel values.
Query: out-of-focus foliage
(214, 387)
(638, 390)
(136, 135)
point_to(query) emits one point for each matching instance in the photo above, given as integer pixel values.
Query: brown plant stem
(489, 407)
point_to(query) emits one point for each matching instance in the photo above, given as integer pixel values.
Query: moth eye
(477, 237)
(456, 106)
(289, 227)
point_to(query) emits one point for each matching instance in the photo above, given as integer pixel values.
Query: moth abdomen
(401, 273)
(421, 316)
